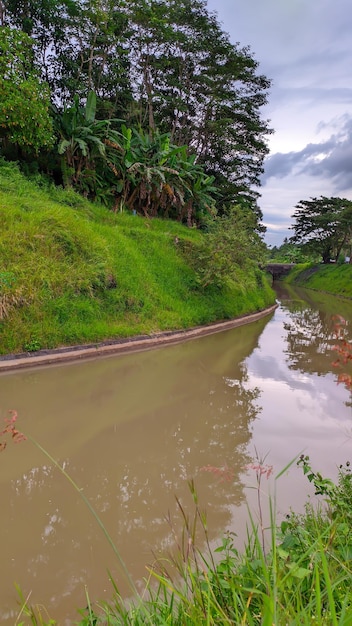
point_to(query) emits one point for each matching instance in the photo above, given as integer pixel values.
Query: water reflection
(311, 333)
(303, 408)
(130, 431)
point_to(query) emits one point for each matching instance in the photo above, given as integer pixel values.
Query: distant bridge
(277, 270)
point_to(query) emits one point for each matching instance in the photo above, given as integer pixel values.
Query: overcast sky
(305, 48)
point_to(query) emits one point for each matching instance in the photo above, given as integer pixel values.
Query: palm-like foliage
(82, 144)
(141, 171)
(155, 178)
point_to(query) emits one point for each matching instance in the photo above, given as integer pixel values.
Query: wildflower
(11, 430)
(261, 469)
(225, 474)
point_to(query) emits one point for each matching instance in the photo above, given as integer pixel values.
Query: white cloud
(279, 198)
(305, 47)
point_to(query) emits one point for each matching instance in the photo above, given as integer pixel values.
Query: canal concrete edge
(120, 346)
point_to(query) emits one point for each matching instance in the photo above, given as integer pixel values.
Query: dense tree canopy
(162, 67)
(190, 80)
(324, 226)
(25, 102)
(290, 252)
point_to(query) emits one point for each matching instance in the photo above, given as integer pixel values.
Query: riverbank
(134, 344)
(334, 279)
(74, 273)
(78, 404)
(303, 578)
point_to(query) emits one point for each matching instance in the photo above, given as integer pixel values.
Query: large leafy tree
(323, 225)
(25, 100)
(191, 80)
(95, 55)
(79, 46)
(158, 64)
(46, 23)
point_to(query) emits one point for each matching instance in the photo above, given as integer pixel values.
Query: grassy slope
(334, 279)
(71, 272)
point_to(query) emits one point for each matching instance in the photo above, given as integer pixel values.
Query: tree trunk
(2, 13)
(149, 92)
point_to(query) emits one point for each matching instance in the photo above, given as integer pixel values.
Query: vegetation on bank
(323, 227)
(149, 111)
(322, 233)
(72, 272)
(147, 105)
(300, 574)
(297, 572)
(334, 278)
(290, 252)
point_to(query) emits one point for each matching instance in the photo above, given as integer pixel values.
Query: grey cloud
(319, 67)
(280, 165)
(310, 95)
(331, 159)
(337, 166)
(305, 47)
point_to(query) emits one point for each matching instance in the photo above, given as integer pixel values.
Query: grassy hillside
(72, 272)
(334, 279)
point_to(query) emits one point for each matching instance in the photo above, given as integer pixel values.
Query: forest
(114, 110)
(146, 107)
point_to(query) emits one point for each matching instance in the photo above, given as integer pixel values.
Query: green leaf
(91, 106)
(63, 145)
(298, 572)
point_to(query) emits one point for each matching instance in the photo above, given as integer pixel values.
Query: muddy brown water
(133, 429)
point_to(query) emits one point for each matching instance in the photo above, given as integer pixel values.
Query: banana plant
(82, 144)
(155, 178)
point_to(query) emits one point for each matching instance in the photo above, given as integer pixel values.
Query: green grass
(72, 272)
(303, 577)
(335, 279)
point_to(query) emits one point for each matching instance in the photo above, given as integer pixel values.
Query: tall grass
(304, 578)
(335, 278)
(300, 574)
(72, 272)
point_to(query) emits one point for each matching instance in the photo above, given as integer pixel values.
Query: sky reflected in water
(132, 430)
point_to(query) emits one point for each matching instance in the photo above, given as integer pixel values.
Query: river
(131, 430)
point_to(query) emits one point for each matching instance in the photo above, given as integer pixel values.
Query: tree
(323, 225)
(163, 66)
(79, 46)
(232, 251)
(45, 22)
(191, 81)
(94, 55)
(25, 100)
(290, 252)
(82, 143)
